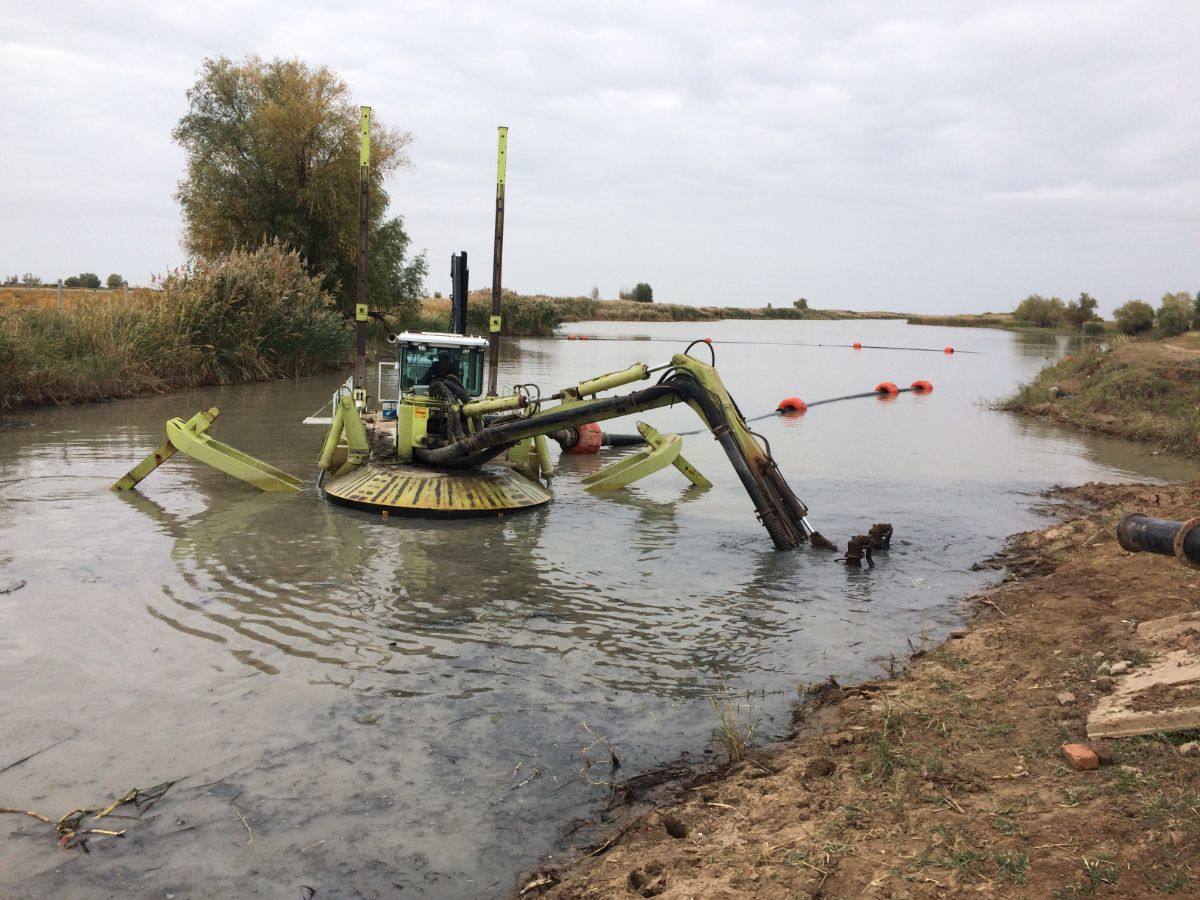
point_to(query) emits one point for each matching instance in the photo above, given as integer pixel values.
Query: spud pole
(497, 259)
(360, 306)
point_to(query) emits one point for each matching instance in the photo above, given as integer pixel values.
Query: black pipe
(509, 433)
(622, 440)
(1137, 533)
(458, 292)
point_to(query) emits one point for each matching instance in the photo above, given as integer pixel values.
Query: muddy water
(364, 707)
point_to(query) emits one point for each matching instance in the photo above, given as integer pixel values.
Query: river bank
(1145, 391)
(950, 778)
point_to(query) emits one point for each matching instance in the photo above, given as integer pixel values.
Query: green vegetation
(82, 280)
(1082, 312)
(273, 154)
(245, 316)
(642, 293)
(735, 722)
(1174, 315)
(1141, 390)
(1044, 312)
(1134, 316)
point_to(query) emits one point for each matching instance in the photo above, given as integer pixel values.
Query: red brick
(1080, 756)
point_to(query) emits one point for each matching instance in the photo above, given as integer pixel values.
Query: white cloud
(725, 152)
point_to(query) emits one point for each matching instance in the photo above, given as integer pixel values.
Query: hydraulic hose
(500, 437)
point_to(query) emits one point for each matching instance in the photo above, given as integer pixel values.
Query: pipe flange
(1180, 536)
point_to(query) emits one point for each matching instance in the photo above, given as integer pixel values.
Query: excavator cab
(424, 357)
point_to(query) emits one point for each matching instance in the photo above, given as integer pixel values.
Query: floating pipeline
(857, 345)
(885, 390)
(1139, 533)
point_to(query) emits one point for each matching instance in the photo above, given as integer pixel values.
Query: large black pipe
(1137, 533)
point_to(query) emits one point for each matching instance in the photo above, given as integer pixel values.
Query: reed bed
(250, 316)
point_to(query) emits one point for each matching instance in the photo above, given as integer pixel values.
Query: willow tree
(273, 152)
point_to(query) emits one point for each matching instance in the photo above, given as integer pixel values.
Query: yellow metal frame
(191, 437)
(663, 452)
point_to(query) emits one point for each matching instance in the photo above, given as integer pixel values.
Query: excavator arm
(688, 381)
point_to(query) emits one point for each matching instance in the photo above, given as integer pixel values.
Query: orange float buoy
(590, 437)
(570, 337)
(791, 405)
(857, 345)
(709, 341)
(948, 350)
(922, 387)
(887, 389)
(583, 337)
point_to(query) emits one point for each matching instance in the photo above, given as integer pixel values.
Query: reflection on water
(426, 660)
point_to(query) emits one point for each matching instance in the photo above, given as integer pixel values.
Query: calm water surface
(401, 706)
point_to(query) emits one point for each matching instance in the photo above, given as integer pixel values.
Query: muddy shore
(950, 779)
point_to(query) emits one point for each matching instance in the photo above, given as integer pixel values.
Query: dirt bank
(1142, 390)
(950, 779)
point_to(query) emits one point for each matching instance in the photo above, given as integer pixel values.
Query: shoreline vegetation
(250, 316)
(1146, 391)
(257, 316)
(254, 316)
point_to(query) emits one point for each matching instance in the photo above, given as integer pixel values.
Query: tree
(1134, 316)
(1080, 312)
(114, 281)
(1175, 314)
(1040, 311)
(273, 152)
(643, 293)
(11, 280)
(82, 280)
(595, 292)
(802, 303)
(1196, 312)
(31, 280)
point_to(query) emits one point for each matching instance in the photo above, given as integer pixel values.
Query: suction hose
(1139, 533)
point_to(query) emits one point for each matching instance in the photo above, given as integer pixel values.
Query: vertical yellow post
(497, 258)
(361, 306)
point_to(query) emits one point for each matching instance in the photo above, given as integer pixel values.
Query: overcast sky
(917, 156)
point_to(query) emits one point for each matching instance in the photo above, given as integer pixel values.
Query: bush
(1175, 314)
(241, 317)
(1134, 316)
(1040, 311)
(1094, 328)
(115, 281)
(643, 293)
(252, 315)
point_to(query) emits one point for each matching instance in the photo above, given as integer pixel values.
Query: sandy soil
(949, 779)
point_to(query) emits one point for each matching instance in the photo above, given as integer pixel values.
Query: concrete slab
(1164, 696)
(1166, 631)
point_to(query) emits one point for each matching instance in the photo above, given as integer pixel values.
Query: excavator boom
(689, 381)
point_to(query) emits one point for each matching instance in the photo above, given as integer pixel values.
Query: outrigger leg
(190, 437)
